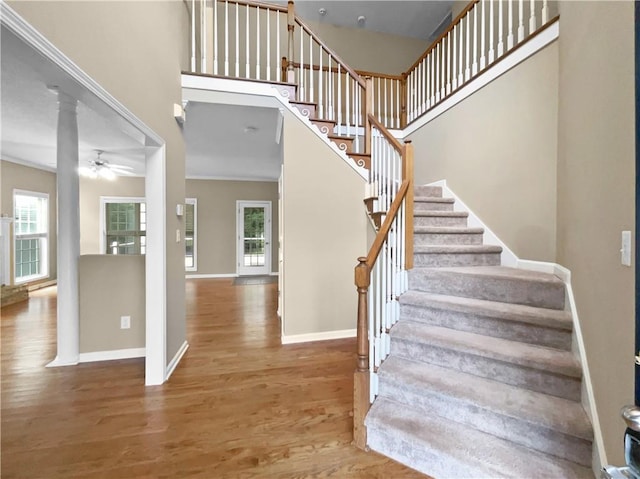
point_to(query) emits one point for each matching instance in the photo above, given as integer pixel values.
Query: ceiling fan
(99, 168)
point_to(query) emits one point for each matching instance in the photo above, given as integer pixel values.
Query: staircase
(481, 380)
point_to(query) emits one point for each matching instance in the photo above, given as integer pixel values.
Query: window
(31, 235)
(124, 225)
(190, 220)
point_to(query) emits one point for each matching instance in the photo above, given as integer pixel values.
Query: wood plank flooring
(239, 405)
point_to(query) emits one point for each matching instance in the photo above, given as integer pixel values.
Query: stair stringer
(509, 258)
(251, 93)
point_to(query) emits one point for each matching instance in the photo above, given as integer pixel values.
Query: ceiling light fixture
(361, 20)
(250, 130)
(322, 11)
(100, 168)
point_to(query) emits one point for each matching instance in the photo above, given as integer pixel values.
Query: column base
(57, 362)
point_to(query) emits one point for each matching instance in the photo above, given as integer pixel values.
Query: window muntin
(31, 236)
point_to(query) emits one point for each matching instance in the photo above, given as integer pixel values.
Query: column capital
(66, 101)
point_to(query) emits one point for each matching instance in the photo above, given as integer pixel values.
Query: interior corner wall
(596, 195)
(217, 217)
(135, 51)
(325, 231)
(370, 51)
(497, 150)
(15, 176)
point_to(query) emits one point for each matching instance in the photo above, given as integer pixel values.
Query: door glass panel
(254, 240)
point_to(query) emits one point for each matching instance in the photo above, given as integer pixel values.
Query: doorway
(254, 237)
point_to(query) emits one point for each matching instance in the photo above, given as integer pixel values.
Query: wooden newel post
(361, 377)
(291, 22)
(403, 101)
(368, 110)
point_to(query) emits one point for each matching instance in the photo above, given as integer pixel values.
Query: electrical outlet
(125, 322)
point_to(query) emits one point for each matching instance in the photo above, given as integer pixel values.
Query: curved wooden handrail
(249, 3)
(317, 39)
(388, 76)
(388, 136)
(442, 35)
(374, 251)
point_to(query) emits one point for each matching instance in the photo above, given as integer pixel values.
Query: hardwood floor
(239, 405)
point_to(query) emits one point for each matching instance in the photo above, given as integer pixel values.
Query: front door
(254, 237)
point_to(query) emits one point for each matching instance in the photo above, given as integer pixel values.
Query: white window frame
(194, 202)
(103, 219)
(44, 237)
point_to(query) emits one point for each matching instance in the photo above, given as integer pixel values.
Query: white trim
(46, 254)
(42, 285)
(528, 49)
(508, 257)
(211, 276)
(112, 355)
(28, 164)
(176, 359)
(238, 92)
(274, 273)
(260, 179)
(322, 336)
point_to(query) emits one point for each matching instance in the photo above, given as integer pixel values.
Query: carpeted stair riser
(428, 191)
(432, 218)
(420, 239)
(443, 260)
(444, 449)
(515, 426)
(503, 289)
(489, 326)
(432, 204)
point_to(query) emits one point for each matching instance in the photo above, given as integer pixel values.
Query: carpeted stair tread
(456, 249)
(432, 199)
(537, 409)
(444, 449)
(452, 214)
(493, 283)
(551, 318)
(447, 230)
(513, 352)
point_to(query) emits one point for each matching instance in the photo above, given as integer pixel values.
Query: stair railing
(325, 79)
(481, 35)
(388, 98)
(381, 277)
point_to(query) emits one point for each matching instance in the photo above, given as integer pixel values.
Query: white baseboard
(112, 355)
(508, 257)
(211, 276)
(176, 359)
(323, 336)
(274, 274)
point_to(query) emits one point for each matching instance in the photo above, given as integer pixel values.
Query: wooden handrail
(339, 60)
(442, 35)
(389, 76)
(374, 251)
(249, 3)
(389, 137)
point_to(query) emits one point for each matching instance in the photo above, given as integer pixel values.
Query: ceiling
(416, 19)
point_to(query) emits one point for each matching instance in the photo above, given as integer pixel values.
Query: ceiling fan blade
(119, 167)
(124, 172)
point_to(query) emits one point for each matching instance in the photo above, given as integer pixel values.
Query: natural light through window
(31, 235)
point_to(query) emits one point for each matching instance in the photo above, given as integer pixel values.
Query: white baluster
(258, 50)
(443, 69)
(311, 82)
(432, 71)
(347, 105)
(545, 11)
(461, 55)
(268, 42)
(320, 76)
(421, 87)
(301, 91)
(247, 68)
(467, 72)
(392, 123)
(448, 64)
(474, 67)
(339, 100)
(226, 38)
(510, 23)
(532, 17)
(330, 88)
(356, 114)
(237, 41)
(437, 57)
(193, 35)
(483, 59)
(454, 64)
(492, 55)
(203, 36)
(520, 20)
(500, 29)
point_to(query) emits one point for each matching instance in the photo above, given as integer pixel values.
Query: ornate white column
(68, 186)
